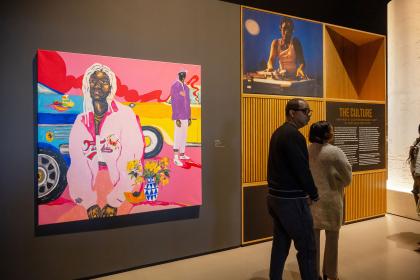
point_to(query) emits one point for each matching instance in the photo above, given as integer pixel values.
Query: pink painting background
(141, 75)
(64, 71)
(184, 188)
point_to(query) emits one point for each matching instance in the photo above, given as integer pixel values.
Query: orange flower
(164, 162)
(164, 179)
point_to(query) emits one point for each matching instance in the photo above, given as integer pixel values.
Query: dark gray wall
(188, 31)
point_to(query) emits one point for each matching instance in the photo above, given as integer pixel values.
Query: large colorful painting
(281, 55)
(116, 136)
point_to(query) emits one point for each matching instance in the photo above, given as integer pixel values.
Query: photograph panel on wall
(281, 55)
(359, 130)
(116, 136)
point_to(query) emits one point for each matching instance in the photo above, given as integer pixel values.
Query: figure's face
(331, 134)
(286, 31)
(100, 86)
(182, 76)
(302, 115)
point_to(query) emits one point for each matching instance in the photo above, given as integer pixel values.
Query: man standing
(291, 190)
(181, 114)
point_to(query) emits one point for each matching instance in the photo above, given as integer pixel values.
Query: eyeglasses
(306, 111)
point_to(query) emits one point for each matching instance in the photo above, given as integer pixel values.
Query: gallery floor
(381, 248)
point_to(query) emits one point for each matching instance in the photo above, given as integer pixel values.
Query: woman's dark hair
(288, 21)
(320, 132)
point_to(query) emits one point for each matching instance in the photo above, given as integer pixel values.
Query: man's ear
(291, 113)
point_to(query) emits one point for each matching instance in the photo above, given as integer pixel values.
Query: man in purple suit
(181, 114)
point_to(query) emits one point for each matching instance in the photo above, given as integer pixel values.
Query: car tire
(155, 145)
(52, 180)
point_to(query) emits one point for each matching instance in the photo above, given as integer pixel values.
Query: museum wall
(353, 64)
(202, 32)
(403, 88)
(357, 14)
(205, 33)
(403, 100)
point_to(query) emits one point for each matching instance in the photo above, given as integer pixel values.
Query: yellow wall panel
(355, 65)
(366, 196)
(260, 117)
(354, 71)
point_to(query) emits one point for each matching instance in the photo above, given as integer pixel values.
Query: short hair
(293, 104)
(287, 21)
(319, 132)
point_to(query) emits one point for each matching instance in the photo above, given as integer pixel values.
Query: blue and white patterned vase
(151, 190)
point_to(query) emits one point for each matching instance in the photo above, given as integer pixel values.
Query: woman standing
(331, 171)
(414, 160)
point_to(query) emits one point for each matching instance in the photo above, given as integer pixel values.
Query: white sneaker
(177, 162)
(184, 157)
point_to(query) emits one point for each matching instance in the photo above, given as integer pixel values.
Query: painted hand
(300, 74)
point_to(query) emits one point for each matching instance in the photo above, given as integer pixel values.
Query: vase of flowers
(151, 189)
(155, 174)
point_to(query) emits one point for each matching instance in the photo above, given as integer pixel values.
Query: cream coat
(415, 165)
(331, 171)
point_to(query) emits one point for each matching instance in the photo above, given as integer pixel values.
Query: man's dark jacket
(288, 165)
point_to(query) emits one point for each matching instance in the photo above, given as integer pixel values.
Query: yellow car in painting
(158, 126)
